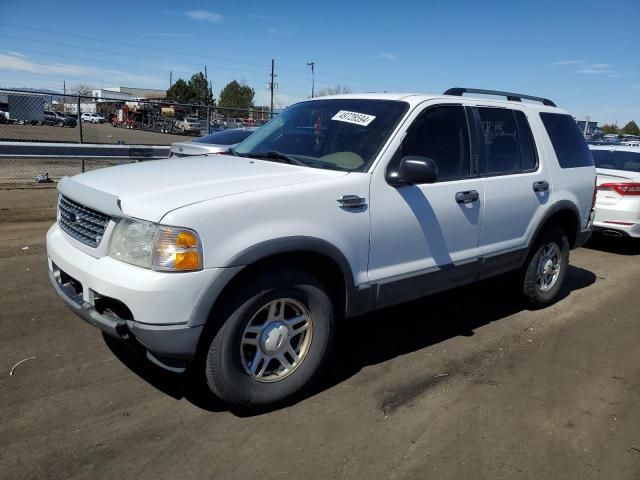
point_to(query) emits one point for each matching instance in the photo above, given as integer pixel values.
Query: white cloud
(597, 69)
(16, 54)
(24, 66)
(567, 62)
(387, 56)
(204, 15)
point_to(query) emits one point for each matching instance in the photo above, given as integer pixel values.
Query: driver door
(423, 238)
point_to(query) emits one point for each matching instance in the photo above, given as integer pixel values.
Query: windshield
(617, 160)
(344, 134)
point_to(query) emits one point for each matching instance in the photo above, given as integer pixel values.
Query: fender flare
(555, 208)
(357, 300)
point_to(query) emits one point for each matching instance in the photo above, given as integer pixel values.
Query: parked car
(65, 120)
(92, 118)
(4, 116)
(189, 126)
(217, 142)
(51, 119)
(247, 261)
(618, 201)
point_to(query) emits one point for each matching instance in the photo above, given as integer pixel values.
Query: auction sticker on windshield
(353, 117)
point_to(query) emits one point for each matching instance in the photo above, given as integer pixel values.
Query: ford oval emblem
(72, 217)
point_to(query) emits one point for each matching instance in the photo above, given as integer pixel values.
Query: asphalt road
(461, 385)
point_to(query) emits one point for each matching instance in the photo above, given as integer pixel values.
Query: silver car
(217, 142)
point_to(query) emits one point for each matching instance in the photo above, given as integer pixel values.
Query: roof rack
(514, 97)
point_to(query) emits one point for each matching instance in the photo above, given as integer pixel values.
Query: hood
(149, 190)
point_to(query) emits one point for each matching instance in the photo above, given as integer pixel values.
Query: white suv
(240, 265)
(92, 118)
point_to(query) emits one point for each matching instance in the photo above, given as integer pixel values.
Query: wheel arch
(311, 254)
(564, 214)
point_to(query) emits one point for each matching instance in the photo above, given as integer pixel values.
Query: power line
(300, 73)
(131, 45)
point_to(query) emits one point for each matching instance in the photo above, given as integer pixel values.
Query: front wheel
(272, 341)
(546, 268)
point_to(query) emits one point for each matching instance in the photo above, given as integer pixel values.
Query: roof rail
(514, 97)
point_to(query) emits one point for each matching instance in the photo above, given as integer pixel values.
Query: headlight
(159, 247)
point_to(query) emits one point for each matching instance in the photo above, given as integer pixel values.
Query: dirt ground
(91, 133)
(462, 385)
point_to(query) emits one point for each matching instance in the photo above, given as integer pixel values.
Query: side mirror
(414, 170)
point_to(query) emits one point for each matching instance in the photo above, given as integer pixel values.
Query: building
(592, 128)
(104, 95)
(139, 93)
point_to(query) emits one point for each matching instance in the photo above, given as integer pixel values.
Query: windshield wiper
(278, 156)
(233, 152)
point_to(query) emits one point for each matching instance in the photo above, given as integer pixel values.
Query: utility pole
(272, 84)
(586, 126)
(64, 98)
(313, 79)
(170, 79)
(205, 73)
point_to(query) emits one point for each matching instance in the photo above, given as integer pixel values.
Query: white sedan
(217, 142)
(618, 200)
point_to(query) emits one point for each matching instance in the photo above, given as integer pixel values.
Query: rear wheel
(545, 271)
(272, 340)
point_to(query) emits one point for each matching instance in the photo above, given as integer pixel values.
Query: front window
(344, 134)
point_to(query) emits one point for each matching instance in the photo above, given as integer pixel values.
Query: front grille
(82, 223)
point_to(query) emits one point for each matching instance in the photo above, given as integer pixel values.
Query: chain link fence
(46, 116)
(29, 116)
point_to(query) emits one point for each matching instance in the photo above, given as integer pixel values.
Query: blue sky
(583, 55)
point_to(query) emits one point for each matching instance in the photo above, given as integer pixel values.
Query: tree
(236, 96)
(337, 90)
(179, 92)
(200, 90)
(631, 128)
(609, 128)
(81, 89)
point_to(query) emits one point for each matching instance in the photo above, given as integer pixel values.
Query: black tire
(534, 295)
(225, 374)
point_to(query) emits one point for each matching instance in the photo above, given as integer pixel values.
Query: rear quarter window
(568, 143)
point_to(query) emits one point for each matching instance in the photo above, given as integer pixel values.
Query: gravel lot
(465, 384)
(91, 132)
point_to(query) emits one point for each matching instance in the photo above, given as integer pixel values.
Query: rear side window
(617, 160)
(568, 143)
(507, 141)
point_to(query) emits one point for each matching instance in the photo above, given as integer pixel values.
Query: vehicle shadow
(619, 246)
(373, 338)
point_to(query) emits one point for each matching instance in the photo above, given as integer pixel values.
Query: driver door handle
(467, 197)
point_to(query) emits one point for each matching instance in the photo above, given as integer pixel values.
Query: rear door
(517, 185)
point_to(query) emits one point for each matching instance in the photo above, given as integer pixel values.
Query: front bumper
(166, 312)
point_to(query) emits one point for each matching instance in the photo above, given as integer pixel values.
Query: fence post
(80, 126)
(208, 120)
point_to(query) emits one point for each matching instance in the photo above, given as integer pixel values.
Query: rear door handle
(467, 197)
(542, 186)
